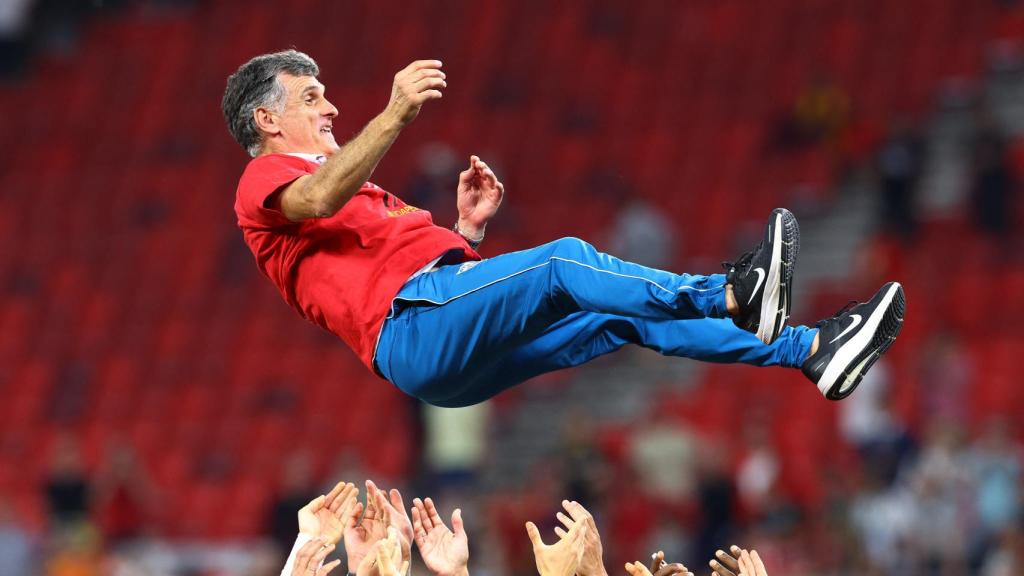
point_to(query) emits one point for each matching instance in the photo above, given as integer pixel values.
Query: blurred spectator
(14, 20)
(16, 557)
(296, 490)
(716, 501)
(583, 467)
(76, 551)
(867, 423)
(992, 180)
(643, 234)
(940, 481)
(995, 462)
(67, 489)
(124, 495)
(1008, 557)
(818, 116)
(455, 443)
(882, 518)
(900, 164)
(947, 372)
(662, 453)
(758, 470)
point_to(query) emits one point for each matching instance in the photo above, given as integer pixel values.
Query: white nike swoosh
(854, 324)
(760, 278)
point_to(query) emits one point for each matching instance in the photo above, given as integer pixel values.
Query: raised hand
(446, 553)
(308, 560)
(414, 85)
(563, 557)
(324, 517)
(592, 563)
(396, 515)
(479, 196)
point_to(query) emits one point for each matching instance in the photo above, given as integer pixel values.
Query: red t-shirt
(342, 272)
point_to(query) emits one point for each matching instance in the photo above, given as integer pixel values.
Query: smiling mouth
(326, 130)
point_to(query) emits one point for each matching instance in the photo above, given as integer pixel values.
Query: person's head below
(275, 104)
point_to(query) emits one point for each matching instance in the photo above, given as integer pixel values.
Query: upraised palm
(324, 517)
(446, 553)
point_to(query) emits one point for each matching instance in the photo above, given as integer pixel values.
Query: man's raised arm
(322, 194)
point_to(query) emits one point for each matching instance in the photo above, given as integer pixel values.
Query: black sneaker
(852, 340)
(762, 279)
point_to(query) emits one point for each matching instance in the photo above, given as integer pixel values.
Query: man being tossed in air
(420, 307)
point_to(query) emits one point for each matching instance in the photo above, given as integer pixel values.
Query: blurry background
(162, 411)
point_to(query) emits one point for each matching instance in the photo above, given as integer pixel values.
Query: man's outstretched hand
(592, 563)
(414, 85)
(324, 517)
(479, 196)
(563, 557)
(446, 553)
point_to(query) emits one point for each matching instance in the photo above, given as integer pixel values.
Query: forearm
(344, 173)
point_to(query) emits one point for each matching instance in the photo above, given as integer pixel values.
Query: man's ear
(266, 121)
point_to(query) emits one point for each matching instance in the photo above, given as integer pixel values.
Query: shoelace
(843, 310)
(742, 263)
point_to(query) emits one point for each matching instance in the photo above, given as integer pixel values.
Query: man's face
(307, 121)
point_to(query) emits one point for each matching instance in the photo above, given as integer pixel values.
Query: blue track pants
(463, 333)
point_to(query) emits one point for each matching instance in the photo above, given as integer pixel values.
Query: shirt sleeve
(289, 565)
(264, 177)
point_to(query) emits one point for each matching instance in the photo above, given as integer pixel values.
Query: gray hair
(256, 85)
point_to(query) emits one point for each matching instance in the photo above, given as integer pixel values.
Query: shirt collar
(315, 158)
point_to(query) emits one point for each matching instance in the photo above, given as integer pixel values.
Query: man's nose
(331, 110)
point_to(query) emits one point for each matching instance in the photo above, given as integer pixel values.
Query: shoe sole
(855, 358)
(784, 234)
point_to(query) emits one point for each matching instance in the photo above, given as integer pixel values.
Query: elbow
(318, 204)
(321, 209)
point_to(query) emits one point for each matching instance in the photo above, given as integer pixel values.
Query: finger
(575, 529)
(348, 493)
(759, 568)
(746, 564)
(428, 95)
(573, 508)
(307, 550)
(657, 560)
(721, 570)
(427, 73)
(435, 518)
(457, 526)
(565, 520)
(314, 505)
(421, 64)
(534, 534)
(729, 561)
(424, 516)
(671, 570)
(326, 568)
(397, 502)
(352, 518)
(333, 494)
(405, 567)
(560, 532)
(491, 178)
(384, 557)
(320, 555)
(429, 84)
